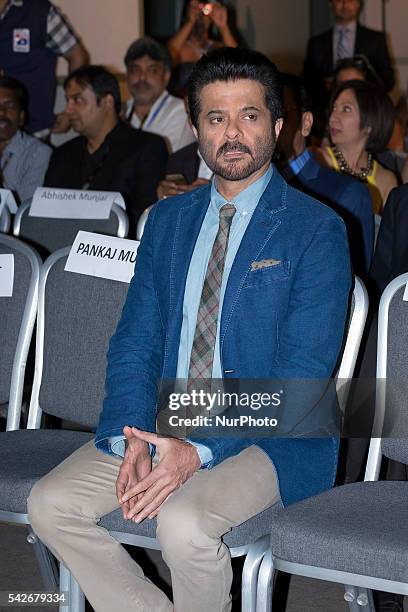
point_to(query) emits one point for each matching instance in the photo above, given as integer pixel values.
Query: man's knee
(182, 529)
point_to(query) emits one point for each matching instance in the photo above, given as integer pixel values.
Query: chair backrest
(390, 429)
(5, 220)
(356, 322)
(142, 222)
(17, 316)
(77, 315)
(48, 235)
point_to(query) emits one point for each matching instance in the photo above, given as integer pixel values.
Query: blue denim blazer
(284, 322)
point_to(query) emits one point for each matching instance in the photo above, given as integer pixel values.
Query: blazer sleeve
(135, 355)
(383, 62)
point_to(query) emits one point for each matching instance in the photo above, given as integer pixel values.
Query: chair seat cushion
(360, 528)
(28, 454)
(242, 535)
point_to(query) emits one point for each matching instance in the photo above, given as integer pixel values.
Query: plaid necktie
(342, 48)
(202, 353)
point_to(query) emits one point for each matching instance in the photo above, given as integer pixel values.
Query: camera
(206, 8)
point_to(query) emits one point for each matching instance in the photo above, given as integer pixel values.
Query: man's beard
(238, 169)
(143, 93)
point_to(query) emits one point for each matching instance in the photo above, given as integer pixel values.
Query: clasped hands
(142, 488)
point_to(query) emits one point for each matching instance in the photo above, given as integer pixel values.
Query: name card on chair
(102, 256)
(73, 203)
(7, 199)
(6, 275)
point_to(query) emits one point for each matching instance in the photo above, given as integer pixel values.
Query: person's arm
(388, 183)
(76, 57)
(383, 62)
(35, 167)
(219, 17)
(177, 42)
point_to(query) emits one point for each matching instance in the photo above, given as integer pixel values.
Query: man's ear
(278, 127)
(167, 75)
(307, 123)
(22, 117)
(195, 131)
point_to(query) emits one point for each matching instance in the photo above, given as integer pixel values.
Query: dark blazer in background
(134, 164)
(319, 57)
(185, 161)
(391, 252)
(351, 200)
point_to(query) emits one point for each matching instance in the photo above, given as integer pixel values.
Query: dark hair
(360, 63)
(8, 82)
(150, 47)
(360, 8)
(101, 81)
(376, 111)
(302, 99)
(230, 64)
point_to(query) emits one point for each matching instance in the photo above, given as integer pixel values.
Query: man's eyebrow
(214, 112)
(250, 108)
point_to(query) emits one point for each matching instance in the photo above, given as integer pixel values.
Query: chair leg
(359, 599)
(265, 584)
(70, 587)
(46, 562)
(250, 573)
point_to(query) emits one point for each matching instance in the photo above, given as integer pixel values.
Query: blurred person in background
(108, 154)
(193, 38)
(360, 125)
(152, 108)
(33, 34)
(23, 158)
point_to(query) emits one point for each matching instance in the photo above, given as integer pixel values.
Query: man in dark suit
(346, 39)
(109, 155)
(347, 196)
(228, 283)
(186, 170)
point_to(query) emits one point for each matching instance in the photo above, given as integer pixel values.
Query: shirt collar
(297, 164)
(351, 27)
(247, 200)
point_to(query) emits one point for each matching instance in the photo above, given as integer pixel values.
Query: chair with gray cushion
(252, 537)
(77, 315)
(48, 235)
(357, 534)
(17, 316)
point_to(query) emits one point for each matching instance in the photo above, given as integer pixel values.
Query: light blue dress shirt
(245, 203)
(348, 41)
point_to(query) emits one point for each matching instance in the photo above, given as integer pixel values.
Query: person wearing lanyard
(152, 108)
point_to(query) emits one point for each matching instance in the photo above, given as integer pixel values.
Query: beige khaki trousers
(65, 506)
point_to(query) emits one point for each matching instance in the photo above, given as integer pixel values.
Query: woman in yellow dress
(360, 124)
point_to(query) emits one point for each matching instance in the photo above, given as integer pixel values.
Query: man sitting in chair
(242, 278)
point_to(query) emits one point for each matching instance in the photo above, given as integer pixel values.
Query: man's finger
(141, 486)
(158, 500)
(146, 436)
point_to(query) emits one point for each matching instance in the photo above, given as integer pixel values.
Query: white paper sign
(405, 296)
(102, 256)
(6, 275)
(7, 199)
(73, 203)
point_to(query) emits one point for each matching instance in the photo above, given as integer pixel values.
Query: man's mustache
(142, 85)
(227, 147)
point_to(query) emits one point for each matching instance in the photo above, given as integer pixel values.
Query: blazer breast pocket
(264, 274)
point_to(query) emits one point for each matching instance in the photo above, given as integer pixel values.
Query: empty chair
(250, 538)
(17, 315)
(77, 315)
(357, 534)
(49, 235)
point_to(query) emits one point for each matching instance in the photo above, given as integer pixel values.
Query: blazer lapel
(265, 220)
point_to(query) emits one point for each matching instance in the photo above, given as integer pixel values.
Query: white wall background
(106, 27)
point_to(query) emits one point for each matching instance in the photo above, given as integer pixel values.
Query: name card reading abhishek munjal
(6, 275)
(74, 203)
(102, 256)
(7, 199)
